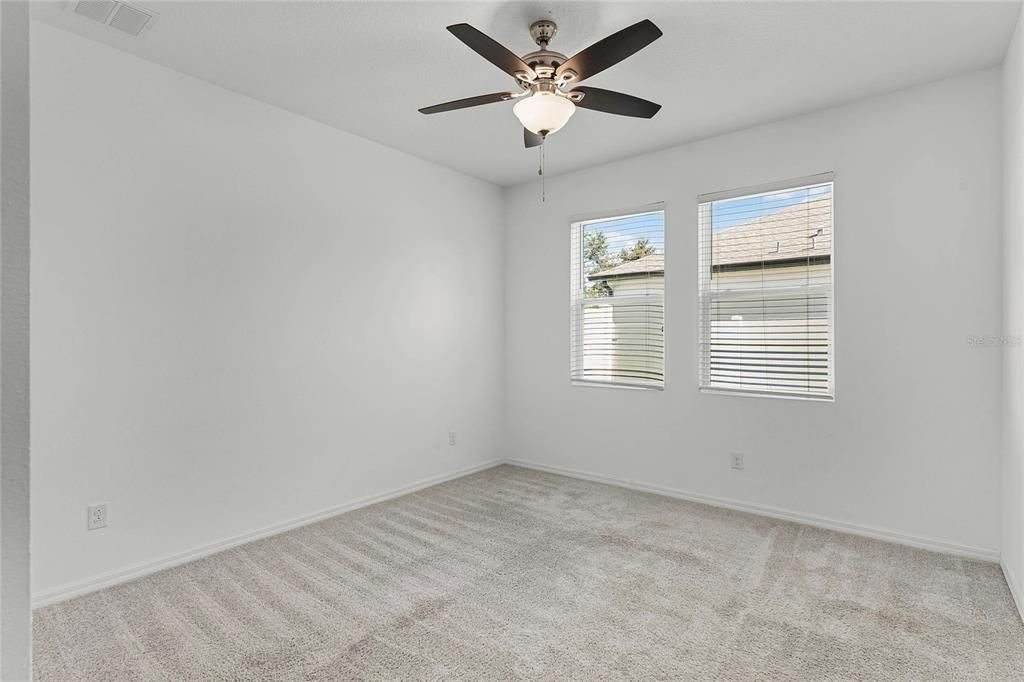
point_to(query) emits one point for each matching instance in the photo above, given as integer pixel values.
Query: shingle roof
(782, 235)
(654, 262)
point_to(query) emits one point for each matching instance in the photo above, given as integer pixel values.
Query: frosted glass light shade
(543, 112)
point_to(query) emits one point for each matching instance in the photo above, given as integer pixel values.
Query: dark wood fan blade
(492, 51)
(611, 50)
(531, 139)
(468, 102)
(612, 102)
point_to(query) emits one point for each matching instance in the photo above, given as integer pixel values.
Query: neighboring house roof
(780, 236)
(774, 238)
(654, 263)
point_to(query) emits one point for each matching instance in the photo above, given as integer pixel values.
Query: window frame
(576, 302)
(704, 292)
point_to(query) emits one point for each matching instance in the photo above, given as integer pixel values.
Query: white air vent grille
(97, 10)
(120, 15)
(129, 19)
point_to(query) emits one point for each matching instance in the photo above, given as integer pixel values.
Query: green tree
(595, 252)
(639, 250)
(599, 289)
(595, 259)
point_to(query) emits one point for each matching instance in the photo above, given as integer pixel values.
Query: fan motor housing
(544, 62)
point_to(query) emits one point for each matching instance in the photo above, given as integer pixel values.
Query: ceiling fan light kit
(548, 95)
(544, 112)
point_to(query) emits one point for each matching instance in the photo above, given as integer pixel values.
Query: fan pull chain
(540, 172)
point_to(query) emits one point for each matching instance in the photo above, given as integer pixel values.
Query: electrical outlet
(97, 516)
(736, 460)
(451, 438)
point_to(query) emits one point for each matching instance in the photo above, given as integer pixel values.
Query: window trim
(757, 190)
(768, 188)
(579, 219)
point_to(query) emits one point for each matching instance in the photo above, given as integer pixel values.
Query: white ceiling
(366, 67)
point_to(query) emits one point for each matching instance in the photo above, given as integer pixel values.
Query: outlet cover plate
(97, 516)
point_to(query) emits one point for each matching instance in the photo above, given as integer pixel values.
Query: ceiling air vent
(120, 15)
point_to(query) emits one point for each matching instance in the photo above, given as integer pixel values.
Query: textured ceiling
(366, 67)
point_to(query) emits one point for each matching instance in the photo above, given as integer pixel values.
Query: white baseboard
(1011, 580)
(69, 590)
(112, 578)
(932, 544)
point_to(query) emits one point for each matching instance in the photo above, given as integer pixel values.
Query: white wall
(911, 444)
(239, 316)
(1012, 473)
(15, 613)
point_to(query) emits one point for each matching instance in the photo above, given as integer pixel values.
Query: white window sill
(612, 384)
(776, 396)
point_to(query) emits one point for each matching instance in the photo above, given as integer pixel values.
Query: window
(765, 286)
(617, 299)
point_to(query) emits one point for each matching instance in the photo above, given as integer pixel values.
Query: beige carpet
(514, 574)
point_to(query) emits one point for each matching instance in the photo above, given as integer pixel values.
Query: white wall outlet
(736, 460)
(451, 438)
(97, 516)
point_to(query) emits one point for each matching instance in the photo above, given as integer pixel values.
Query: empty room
(511, 340)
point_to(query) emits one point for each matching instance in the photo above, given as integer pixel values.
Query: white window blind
(765, 286)
(617, 297)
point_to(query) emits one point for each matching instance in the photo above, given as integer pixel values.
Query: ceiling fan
(548, 94)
